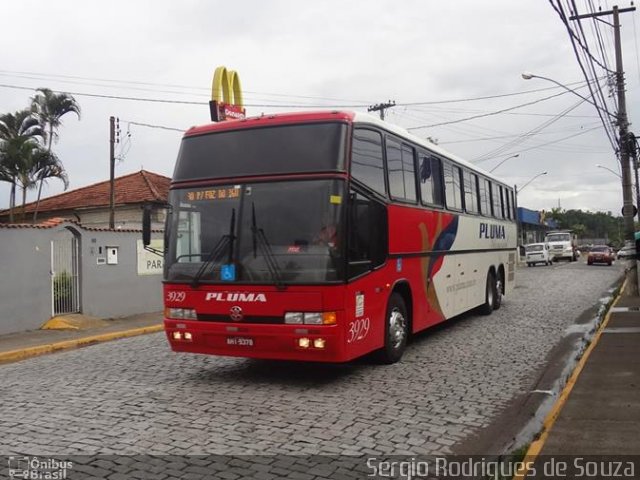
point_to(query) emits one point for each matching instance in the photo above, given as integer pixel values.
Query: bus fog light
(319, 343)
(187, 336)
(313, 318)
(293, 317)
(177, 335)
(304, 342)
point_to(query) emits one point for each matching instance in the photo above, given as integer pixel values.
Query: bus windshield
(263, 233)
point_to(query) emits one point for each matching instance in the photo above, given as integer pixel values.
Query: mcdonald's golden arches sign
(226, 96)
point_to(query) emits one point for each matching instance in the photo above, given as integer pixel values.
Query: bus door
(367, 246)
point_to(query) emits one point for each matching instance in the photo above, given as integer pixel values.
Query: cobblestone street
(135, 396)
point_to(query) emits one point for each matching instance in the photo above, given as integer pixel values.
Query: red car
(600, 254)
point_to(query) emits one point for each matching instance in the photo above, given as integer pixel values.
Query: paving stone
(135, 396)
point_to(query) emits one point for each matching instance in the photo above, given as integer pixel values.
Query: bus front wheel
(490, 295)
(396, 330)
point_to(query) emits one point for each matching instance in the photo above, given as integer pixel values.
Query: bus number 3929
(358, 329)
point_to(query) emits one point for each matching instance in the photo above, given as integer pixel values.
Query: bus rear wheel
(490, 295)
(499, 289)
(396, 330)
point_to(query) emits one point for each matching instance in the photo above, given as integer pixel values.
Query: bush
(62, 289)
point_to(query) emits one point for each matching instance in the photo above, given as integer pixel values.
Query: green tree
(49, 108)
(36, 164)
(15, 129)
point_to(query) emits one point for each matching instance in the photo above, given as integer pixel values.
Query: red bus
(324, 236)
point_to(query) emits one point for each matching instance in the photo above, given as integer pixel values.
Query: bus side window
(507, 203)
(452, 184)
(496, 198)
(485, 197)
(367, 161)
(430, 179)
(367, 239)
(470, 184)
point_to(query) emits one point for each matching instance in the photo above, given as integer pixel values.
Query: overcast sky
(330, 53)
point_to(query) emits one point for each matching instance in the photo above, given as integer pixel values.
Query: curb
(536, 446)
(21, 354)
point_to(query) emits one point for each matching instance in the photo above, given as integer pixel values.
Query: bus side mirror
(146, 225)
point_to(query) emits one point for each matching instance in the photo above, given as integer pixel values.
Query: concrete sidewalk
(17, 346)
(597, 414)
(601, 415)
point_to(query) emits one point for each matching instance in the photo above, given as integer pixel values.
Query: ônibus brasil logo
(235, 297)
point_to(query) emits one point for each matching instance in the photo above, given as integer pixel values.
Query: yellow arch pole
(235, 88)
(220, 85)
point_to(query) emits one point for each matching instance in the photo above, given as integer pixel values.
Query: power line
(30, 75)
(473, 117)
(161, 127)
(500, 137)
(513, 143)
(572, 37)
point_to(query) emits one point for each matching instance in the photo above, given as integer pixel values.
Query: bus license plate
(240, 341)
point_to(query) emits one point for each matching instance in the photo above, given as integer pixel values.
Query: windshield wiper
(217, 249)
(260, 239)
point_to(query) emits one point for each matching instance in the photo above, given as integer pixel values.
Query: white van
(538, 253)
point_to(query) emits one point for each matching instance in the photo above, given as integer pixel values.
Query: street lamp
(512, 156)
(620, 119)
(529, 76)
(518, 190)
(637, 193)
(532, 179)
(607, 168)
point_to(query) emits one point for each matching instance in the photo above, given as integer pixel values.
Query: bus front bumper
(316, 343)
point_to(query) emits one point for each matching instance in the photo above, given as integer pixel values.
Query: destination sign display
(213, 194)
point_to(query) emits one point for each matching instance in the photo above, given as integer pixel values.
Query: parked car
(538, 253)
(600, 254)
(629, 250)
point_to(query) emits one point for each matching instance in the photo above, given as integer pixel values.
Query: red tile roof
(50, 223)
(57, 221)
(135, 188)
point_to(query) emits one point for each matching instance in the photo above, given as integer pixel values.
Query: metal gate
(65, 279)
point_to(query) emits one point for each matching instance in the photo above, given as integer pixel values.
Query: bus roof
(332, 116)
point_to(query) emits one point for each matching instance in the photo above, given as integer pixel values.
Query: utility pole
(380, 107)
(633, 151)
(623, 125)
(112, 167)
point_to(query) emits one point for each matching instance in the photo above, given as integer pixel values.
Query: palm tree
(15, 129)
(50, 107)
(35, 164)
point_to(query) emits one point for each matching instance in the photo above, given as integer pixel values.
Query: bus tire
(489, 296)
(396, 330)
(499, 290)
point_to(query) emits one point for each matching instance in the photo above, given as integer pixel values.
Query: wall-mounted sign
(150, 263)
(226, 96)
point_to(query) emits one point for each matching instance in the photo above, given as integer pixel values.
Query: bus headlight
(293, 317)
(313, 318)
(310, 318)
